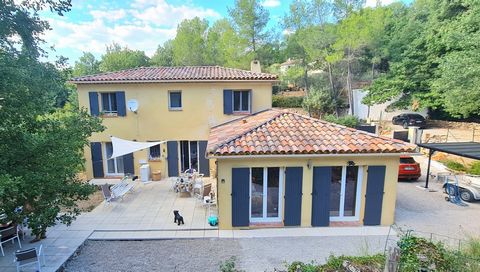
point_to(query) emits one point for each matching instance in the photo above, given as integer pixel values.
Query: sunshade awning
(123, 147)
(464, 149)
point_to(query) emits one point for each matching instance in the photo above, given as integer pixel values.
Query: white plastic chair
(28, 257)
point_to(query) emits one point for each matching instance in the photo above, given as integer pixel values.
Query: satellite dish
(132, 105)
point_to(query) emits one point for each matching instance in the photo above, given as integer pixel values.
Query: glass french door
(345, 189)
(265, 194)
(189, 155)
(115, 165)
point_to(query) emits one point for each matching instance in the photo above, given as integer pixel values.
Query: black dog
(177, 218)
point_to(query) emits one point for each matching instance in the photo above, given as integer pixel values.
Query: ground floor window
(345, 192)
(265, 194)
(114, 166)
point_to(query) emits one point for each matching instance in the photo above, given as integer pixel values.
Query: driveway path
(252, 254)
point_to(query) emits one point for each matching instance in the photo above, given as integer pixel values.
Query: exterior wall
(202, 108)
(224, 183)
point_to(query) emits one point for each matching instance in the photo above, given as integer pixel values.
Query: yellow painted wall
(224, 182)
(202, 108)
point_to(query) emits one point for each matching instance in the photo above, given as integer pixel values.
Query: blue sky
(140, 24)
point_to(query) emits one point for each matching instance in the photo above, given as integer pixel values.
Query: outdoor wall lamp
(351, 163)
(309, 164)
(223, 180)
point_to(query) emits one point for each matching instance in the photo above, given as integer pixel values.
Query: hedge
(279, 101)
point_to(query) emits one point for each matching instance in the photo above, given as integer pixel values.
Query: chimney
(255, 66)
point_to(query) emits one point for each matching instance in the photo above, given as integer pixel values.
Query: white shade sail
(123, 147)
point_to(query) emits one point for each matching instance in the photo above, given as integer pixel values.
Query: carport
(464, 149)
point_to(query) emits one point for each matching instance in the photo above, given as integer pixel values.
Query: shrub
(335, 263)
(456, 166)
(475, 169)
(280, 101)
(229, 265)
(347, 120)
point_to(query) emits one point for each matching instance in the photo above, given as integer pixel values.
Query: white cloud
(112, 15)
(164, 14)
(271, 3)
(142, 26)
(373, 3)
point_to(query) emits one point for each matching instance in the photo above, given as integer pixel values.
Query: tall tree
(117, 58)
(87, 64)
(163, 55)
(41, 144)
(250, 19)
(343, 8)
(189, 46)
(224, 46)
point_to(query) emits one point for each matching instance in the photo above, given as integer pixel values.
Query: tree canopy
(42, 133)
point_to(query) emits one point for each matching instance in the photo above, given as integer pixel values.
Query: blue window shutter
(322, 179)
(227, 102)
(250, 96)
(293, 196)
(240, 197)
(172, 158)
(374, 195)
(128, 165)
(204, 162)
(121, 104)
(93, 97)
(97, 161)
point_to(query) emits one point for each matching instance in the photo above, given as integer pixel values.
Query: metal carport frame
(464, 149)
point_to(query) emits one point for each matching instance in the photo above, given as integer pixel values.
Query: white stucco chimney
(255, 66)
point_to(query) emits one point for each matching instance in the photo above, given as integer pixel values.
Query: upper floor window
(241, 101)
(175, 100)
(109, 103)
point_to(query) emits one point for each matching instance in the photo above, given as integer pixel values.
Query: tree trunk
(349, 83)
(305, 74)
(332, 86)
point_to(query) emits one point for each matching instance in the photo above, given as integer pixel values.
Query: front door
(189, 155)
(345, 190)
(265, 194)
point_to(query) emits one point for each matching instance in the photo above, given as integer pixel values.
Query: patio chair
(107, 194)
(9, 234)
(28, 257)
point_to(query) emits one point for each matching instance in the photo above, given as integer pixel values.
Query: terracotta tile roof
(185, 73)
(282, 132)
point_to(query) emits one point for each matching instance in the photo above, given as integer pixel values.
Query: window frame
(150, 157)
(170, 101)
(109, 112)
(249, 92)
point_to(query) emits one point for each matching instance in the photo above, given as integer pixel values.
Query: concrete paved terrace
(147, 211)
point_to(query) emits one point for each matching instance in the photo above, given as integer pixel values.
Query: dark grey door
(128, 164)
(322, 178)
(172, 149)
(293, 196)
(204, 163)
(97, 161)
(240, 197)
(374, 196)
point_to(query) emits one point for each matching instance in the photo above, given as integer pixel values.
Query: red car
(409, 168)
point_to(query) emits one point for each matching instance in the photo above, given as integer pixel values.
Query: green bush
(347, 120)
(280, 101)
(456, 166)
(229, 265)
(335, 263)
(475, 169)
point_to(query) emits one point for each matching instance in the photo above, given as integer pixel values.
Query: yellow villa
(272, 167)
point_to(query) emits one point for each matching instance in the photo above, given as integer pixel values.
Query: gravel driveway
(429, 212)
(253, 254)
